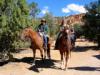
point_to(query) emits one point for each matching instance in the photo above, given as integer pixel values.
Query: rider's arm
(38, 29)
(46, 29)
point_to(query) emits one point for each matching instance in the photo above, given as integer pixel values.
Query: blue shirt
(43, 28)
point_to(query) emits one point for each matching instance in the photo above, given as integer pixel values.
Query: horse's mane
(28, 32)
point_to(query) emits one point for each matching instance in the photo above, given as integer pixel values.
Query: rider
(43, 31)
(72, 35)
(63, 27)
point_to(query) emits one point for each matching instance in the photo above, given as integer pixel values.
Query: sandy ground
(84, 60)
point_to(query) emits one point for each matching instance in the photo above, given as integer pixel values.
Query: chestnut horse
(64, 46)
(36, 42)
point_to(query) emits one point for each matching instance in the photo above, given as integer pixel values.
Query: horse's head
(64, 33)
(26, 33)
(64, 37)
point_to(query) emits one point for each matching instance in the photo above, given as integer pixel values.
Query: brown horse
(36, 42)
(65, 48)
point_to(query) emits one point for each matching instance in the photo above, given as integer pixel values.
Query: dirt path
(84, 61)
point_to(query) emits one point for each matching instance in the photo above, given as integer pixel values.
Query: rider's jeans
(45, 40)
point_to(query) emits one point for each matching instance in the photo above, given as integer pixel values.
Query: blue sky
(61, 7)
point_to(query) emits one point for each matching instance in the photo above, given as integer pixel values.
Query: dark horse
(36, 42)
(64, 46)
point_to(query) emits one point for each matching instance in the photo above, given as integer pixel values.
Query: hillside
(71, 20)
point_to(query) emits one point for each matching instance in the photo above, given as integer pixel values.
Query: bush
(78, 30)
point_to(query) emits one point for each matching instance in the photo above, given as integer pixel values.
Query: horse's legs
(41, 52)
(45, 50)
(61, 53)
(48, 51)
(34, 52)
(66, 59)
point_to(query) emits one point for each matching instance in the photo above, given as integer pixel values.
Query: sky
(61, 7)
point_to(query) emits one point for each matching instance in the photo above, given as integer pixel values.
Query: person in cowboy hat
(43, 31)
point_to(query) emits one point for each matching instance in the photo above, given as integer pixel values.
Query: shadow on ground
(39, 63)
(43, 64)
(97, 56)
(3, 63)
(85, 68)
(84, 48)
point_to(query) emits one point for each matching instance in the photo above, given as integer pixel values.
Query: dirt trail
(84, 61)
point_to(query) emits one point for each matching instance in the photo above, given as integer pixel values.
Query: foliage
(92, 21)
(53, 28)
(34, 10)
(78, 30)
(14, 16)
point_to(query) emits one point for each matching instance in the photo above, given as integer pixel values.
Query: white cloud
(45, 10)
(74, 8)
(77, 8)
(65, 10)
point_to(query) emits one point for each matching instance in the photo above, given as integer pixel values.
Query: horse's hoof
(33, 64)
(65, 69)
(44, 57)
(49, 58)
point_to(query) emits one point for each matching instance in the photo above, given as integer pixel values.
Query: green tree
(34, 10)
(92, 21)
(78, 30)
(14, 16)
(51, 23)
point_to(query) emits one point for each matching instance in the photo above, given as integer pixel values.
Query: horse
(36, 42)
(64, 46)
